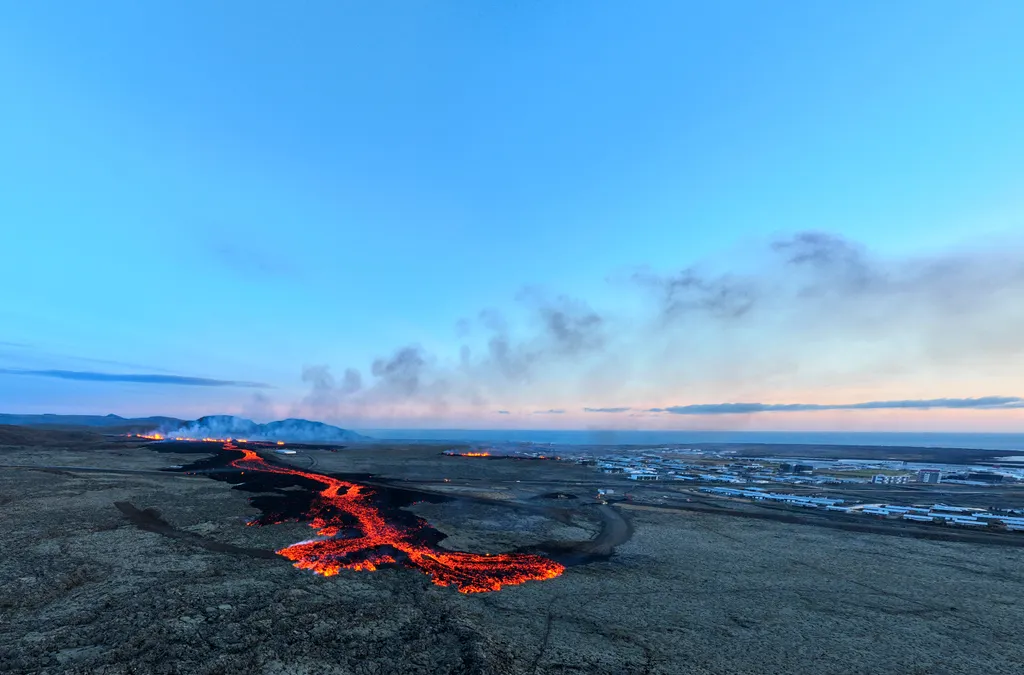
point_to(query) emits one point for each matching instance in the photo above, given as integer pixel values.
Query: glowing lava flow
(355, 536)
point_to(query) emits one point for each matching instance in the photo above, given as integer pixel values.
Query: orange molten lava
(377, 539)
(208, 439)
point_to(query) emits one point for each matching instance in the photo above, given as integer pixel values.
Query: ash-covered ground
(85, 588)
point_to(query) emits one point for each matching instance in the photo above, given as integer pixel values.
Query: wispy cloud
(553, 411)
(502, 412)
(742, 327)
(982, 403)
(137, 378)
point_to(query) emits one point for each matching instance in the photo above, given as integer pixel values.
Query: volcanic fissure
(355, 531)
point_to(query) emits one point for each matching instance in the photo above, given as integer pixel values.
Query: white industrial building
(950, 515)
(889, 480)
(760, 495)
(643, 476)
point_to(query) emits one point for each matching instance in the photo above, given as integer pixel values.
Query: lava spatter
(353, 534)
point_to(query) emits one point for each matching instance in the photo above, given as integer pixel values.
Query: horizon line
(360, 427)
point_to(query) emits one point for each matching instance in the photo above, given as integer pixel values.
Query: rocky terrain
(85, 589)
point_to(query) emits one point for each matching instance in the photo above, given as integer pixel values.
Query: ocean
(1014, 442)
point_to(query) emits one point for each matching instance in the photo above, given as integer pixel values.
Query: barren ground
(84, 590)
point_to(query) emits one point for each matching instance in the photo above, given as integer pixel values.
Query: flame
(148, 437)
(339, 502)
(475, 454)
(207, 439)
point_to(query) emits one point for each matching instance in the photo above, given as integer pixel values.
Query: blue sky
(241, 191)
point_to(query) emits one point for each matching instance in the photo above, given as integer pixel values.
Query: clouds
(401, 373)
(259, 407)
(325, 395)
(827, 254)
(687, 292)
(557, 329)
(136, 378)
(837, 289)
(814, 309)
(572, 326)
(803, 314)
(800, 314)
(967, 280)
(548, 334)
(982, 403)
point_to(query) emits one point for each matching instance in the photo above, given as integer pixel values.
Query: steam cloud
(809, 308)
(294, 430)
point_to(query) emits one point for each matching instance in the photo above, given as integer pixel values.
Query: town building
(889, 480)
(929, 476)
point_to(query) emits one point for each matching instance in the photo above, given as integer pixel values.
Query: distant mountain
(305, 430)
(211, 426)
(295, 430)
(48, 420)
(223, 426)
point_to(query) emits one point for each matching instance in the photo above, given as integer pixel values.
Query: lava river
(353, 534)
